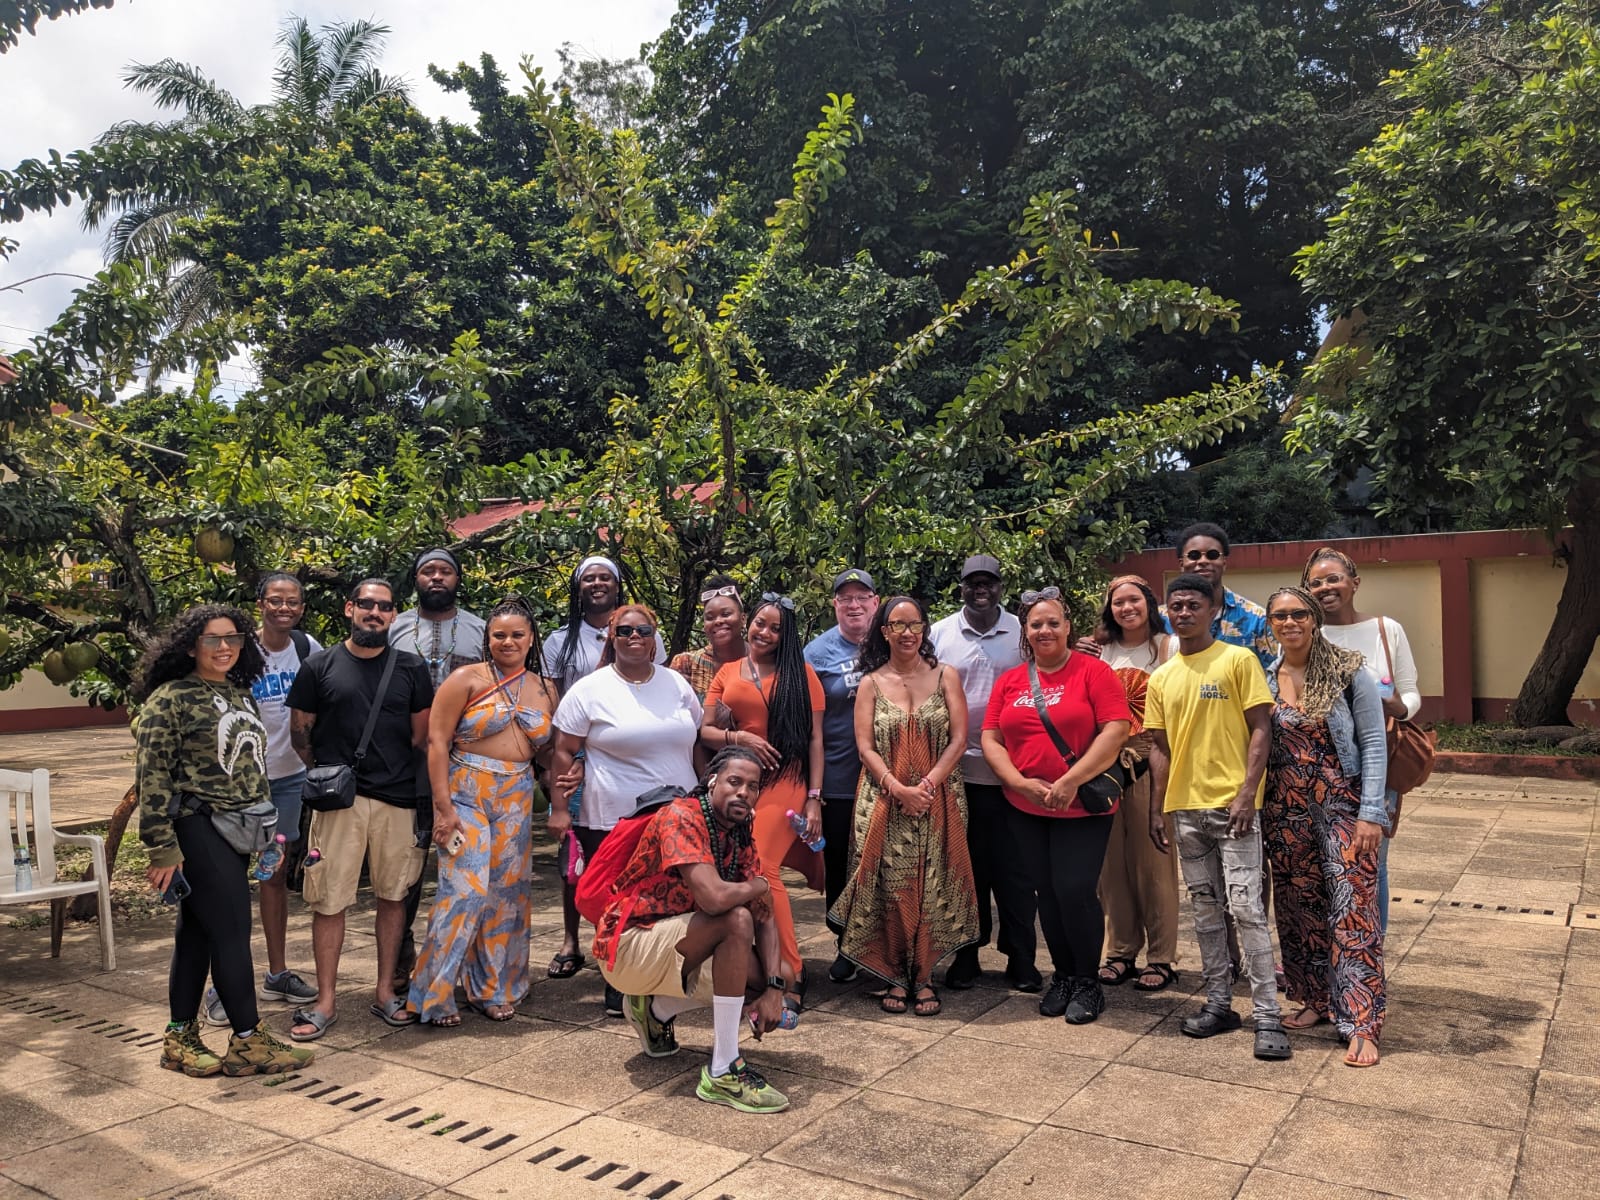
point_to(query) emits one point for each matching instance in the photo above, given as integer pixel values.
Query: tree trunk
(86, 906)
(1553, 678)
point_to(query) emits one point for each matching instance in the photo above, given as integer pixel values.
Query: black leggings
(213, 927)
(1059, 858)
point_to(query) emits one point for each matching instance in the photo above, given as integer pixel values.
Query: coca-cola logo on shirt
(1051, 695)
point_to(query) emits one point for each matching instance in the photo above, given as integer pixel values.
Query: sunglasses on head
(1049, 593)
(712, 593)
(1208, 555)
(775, 598)
(628, 631)
(367, 604)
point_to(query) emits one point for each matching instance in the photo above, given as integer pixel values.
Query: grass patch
(1481, 737)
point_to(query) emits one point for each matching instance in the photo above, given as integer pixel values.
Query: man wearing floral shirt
(689, 924)
(1203, 551)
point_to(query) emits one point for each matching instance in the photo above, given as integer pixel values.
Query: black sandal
(892, 1003)
(920, 1003)
(1120, 974)
(1164, 970)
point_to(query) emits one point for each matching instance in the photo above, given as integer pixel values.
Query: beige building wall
(1513, 602)
(34, 691)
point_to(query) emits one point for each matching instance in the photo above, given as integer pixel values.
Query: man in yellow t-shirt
(1210, 711)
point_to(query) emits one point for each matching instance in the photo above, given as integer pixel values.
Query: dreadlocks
(1329, 668)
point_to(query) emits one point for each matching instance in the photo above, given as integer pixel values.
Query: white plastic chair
(25, 805)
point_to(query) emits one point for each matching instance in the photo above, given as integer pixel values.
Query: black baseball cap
(985, 564)
(854, 575)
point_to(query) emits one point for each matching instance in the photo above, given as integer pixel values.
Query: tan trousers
(1139, 884)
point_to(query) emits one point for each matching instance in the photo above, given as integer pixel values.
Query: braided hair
(1328, 554)
(567, 660)
(789, 713)
(515, 606)
(741, 835)
(1329, 668)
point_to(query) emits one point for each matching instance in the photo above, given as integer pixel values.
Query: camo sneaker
(742, 1087)
(262, 1054)
(182, 1050)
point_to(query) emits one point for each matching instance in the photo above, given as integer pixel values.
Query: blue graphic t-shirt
(833, 658)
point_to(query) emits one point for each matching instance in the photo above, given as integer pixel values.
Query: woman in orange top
(771, 702)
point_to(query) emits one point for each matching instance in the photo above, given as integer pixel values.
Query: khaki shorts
(370, 829)
(648, 963)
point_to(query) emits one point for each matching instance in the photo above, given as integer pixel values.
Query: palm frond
(176, 85)
(297, 79)
(192, 297)
(349, 54)
(371, 86)
(145, 230)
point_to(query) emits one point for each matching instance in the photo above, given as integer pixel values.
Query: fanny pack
(333, 787)
(247, 830)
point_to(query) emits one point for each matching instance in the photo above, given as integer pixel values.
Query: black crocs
(1272, 1043)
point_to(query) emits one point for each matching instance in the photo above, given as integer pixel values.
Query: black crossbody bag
(333, 787)
(1099, 795)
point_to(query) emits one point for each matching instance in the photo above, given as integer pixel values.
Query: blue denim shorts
(286, 799)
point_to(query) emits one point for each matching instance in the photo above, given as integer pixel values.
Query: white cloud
(62, 88)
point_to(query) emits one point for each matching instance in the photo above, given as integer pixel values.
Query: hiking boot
(1054, 1002)
(182, 1050)
(286, 985)
(212, 1011)
(742, 1087)
(263, 1054)
(1088, 1002)
(655, 1035)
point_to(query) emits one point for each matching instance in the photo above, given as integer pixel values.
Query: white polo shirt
(979, 658)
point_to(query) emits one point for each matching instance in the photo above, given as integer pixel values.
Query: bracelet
(727, 738)
(883, 784)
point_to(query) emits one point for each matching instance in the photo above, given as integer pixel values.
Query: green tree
(1469, 237)
(320, 76)
(17, 16)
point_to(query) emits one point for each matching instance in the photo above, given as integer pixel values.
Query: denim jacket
(1360, 737)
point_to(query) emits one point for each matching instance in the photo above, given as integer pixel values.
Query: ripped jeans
(1216, 865)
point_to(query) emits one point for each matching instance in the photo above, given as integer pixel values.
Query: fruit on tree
(213, 545)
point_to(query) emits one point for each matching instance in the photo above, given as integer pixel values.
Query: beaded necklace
(740, 836)
(441, 654)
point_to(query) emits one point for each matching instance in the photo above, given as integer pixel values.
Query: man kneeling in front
(689, 924)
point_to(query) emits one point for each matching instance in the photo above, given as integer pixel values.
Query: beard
(437, 600)
(369, 639)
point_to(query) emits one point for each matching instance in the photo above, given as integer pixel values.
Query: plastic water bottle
(788, 1020)
(24, 870)
(313, 857)
(267, 861)
(798, 824)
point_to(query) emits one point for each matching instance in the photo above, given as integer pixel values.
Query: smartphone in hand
(178, 890)
(457, 840)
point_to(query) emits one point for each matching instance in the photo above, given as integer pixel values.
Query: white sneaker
(211, 1010)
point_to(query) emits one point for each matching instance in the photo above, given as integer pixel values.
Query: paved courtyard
(1490, 1084)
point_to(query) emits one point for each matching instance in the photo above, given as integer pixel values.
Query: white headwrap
(598, 560)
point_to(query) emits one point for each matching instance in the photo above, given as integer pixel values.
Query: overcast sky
(62, 88)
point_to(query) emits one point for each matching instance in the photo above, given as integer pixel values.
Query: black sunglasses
(780, 601)
(1208, 555)
(628, 631)
(367, 604)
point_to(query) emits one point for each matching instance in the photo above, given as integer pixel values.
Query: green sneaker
(182, 1050)
(741, 1086)
(656, 1036)
(263, 1054)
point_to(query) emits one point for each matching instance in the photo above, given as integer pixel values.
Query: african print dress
(909, 899)
(1325, 895)
(478, 928)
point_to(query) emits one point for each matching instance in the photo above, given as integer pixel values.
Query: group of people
(942, 783)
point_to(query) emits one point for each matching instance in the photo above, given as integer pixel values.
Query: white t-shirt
(636, 738)
(1365, 637)
(591, 642)
(271, 689)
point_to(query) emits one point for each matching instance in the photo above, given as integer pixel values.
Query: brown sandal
(1306, 1018)
(892, 1003)
(927, 1005)
(1358, 1046)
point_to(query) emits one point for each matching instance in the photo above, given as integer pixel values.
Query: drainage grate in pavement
(628, 1179)
(99, 1026)
(337, 1094)
(1533, 913)
(1585, 918)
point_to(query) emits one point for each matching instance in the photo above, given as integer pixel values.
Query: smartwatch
(776, 981)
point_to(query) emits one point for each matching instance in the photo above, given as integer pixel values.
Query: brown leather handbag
(1411, 747)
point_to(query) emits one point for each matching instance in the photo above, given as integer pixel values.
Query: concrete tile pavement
(1490, 1084)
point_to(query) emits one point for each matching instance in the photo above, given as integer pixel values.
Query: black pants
(995, 874)
(838, 816)
(1060, 859)
(408, 941)
(213, 936)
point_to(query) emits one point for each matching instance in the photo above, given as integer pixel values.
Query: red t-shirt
(651, 886)
(1081, 697)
